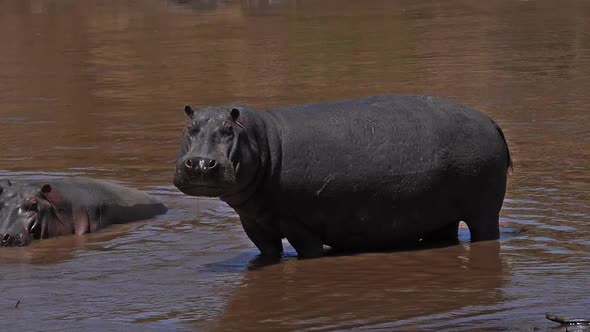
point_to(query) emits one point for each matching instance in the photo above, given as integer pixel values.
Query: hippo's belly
(369, 174)
(370, 220)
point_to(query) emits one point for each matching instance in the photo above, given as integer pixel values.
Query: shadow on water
(366, 290)
(252, 260)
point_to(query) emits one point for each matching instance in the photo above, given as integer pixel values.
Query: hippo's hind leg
(267, 239)
(306, 243)
(447, 233)
(484, 227)
(483, 207)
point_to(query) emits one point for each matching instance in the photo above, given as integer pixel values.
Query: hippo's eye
(192, 128)
(32, 205)
(228, 129)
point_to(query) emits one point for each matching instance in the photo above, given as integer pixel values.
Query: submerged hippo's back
(384, 144)
(118, 203)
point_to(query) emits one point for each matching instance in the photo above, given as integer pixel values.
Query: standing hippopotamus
(42, 209)
(365, 174)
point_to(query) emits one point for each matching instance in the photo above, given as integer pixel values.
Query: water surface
(96, 88)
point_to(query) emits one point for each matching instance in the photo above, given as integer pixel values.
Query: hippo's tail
(509, 160)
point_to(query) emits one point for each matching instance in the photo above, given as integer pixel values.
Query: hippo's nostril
(200, 165)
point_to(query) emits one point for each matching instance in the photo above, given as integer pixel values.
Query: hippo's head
(217, 156)
(26, 212)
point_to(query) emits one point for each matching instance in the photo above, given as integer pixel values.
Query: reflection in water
(96, 89)
(199, 4)
(57, 250)
(369, 290)
(251, 6)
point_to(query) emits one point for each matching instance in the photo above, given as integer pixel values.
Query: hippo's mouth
(203, 190)
(32, 231)
(197, 188)
(17, 240)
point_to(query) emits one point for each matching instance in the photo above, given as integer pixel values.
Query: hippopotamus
(47, 208)
(376, 173)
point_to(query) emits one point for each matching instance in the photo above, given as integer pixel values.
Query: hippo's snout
(19, 222)
(17, 240)
(199, 170)
(203, 176)
(201, 165)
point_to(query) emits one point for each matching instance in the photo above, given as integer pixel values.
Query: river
(97, 88)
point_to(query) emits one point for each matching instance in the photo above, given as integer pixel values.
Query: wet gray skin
(222, 138)
(354, 175)
(25, 213)
(39, 210)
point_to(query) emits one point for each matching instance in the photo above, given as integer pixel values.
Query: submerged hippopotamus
(43, 209)
(366, 174)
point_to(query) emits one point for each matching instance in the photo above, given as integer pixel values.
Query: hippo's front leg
(307, 243)
(266, 238)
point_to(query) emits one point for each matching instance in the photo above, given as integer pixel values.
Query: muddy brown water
(96, 88)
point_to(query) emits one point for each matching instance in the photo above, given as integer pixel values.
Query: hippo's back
(384, 144)
(118, 203)
(374, 172)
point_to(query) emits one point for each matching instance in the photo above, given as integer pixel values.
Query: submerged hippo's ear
(189, 111)
(235, 113)
(46, 189)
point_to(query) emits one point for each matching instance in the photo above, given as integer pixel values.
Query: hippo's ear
(188, 110)
(235, 113)
(46, 189)
(3, 184)
(49, 194)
